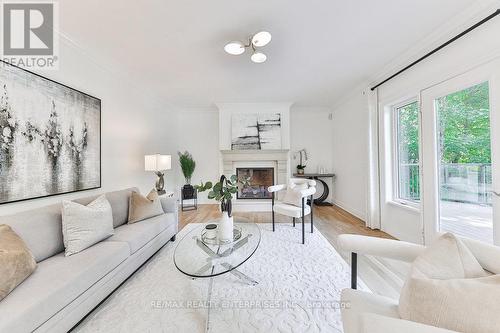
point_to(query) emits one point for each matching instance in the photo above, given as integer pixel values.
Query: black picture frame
(4, 64)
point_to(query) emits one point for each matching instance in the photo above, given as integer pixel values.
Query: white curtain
(373, 202)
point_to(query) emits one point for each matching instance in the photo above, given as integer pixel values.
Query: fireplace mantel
(272, 154)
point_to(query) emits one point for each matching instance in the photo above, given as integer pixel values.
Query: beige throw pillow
(16, 260)
(447, 258)
(84, 226)
(293, 195)
(448, 288)
(143, 207)
(463, 305)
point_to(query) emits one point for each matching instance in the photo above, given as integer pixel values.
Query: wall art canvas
(254, 131)
(50, 137)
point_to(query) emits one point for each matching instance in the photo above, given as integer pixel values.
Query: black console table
(320, 201)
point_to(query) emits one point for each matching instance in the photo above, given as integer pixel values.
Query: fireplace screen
(253, 183)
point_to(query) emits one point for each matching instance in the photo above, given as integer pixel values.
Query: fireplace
(254, 183)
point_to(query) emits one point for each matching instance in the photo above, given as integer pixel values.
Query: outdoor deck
(469, 220)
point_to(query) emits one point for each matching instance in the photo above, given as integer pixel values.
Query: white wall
(312, 129)
(350, 154)
(198, 133)
(133, 124)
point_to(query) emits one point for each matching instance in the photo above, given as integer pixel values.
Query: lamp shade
(157, 162)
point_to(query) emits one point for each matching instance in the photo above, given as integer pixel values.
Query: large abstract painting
(256, 131)
(50, 137)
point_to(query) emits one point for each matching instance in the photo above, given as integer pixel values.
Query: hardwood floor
(331, 221)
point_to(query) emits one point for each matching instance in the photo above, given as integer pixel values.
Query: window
(465, 169)
(407, 152)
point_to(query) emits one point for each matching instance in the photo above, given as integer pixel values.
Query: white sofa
(62, 290)
(370, 313)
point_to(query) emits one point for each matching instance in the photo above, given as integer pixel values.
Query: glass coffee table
(209, 258)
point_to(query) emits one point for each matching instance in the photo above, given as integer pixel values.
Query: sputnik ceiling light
(256, 41)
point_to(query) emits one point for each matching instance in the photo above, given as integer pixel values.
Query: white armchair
(370, 313)
(292, 210)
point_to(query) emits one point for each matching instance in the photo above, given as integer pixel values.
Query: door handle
(496, 193)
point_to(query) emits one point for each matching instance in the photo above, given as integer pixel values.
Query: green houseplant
(223, 192)
(187, 166)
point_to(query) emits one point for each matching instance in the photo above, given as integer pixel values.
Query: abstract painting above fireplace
(254, 183)
(256, 131)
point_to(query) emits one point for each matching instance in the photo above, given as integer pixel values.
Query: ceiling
(320, 51)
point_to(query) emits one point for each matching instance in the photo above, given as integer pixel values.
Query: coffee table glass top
(197, 259)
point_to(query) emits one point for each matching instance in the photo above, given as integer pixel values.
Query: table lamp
(157, 163)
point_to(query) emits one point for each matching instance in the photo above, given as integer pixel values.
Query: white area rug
(298, 291)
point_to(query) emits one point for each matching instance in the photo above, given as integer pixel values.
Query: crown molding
(112, 69)
(475, 12)
(253, 106)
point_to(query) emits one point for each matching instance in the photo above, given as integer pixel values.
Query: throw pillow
(293, 195)
(448, 288)
(462, 305)
(447, 258)
(16, 260)
(84, 226)
(143, 207)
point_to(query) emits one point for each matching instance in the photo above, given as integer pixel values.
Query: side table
(191, 198)
(320, 201)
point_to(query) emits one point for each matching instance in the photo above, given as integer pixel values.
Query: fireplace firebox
(253, 183)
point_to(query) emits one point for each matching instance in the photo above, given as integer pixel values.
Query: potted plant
(300, 169)
(187, 165)
(223, 192)
(303, 160)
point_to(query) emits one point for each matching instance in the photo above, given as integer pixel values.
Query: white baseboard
(360, 215)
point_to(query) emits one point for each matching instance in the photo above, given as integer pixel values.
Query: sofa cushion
(118, 200)
(40, 229)
(139, 234)
(55, 283)
(83, 226)
(16, 260)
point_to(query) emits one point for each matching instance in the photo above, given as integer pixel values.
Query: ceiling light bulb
(258, 57)
(234, 48)
(261, 38)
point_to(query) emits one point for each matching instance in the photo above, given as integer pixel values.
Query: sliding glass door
(460, 156)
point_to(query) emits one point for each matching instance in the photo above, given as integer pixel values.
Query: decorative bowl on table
(209, 235)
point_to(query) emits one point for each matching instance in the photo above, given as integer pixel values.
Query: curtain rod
(486, 19)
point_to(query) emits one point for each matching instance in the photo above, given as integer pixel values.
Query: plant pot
(188, 191)
(225, 228)
(300, 171)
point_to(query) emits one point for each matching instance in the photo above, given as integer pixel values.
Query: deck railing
(459, 182)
